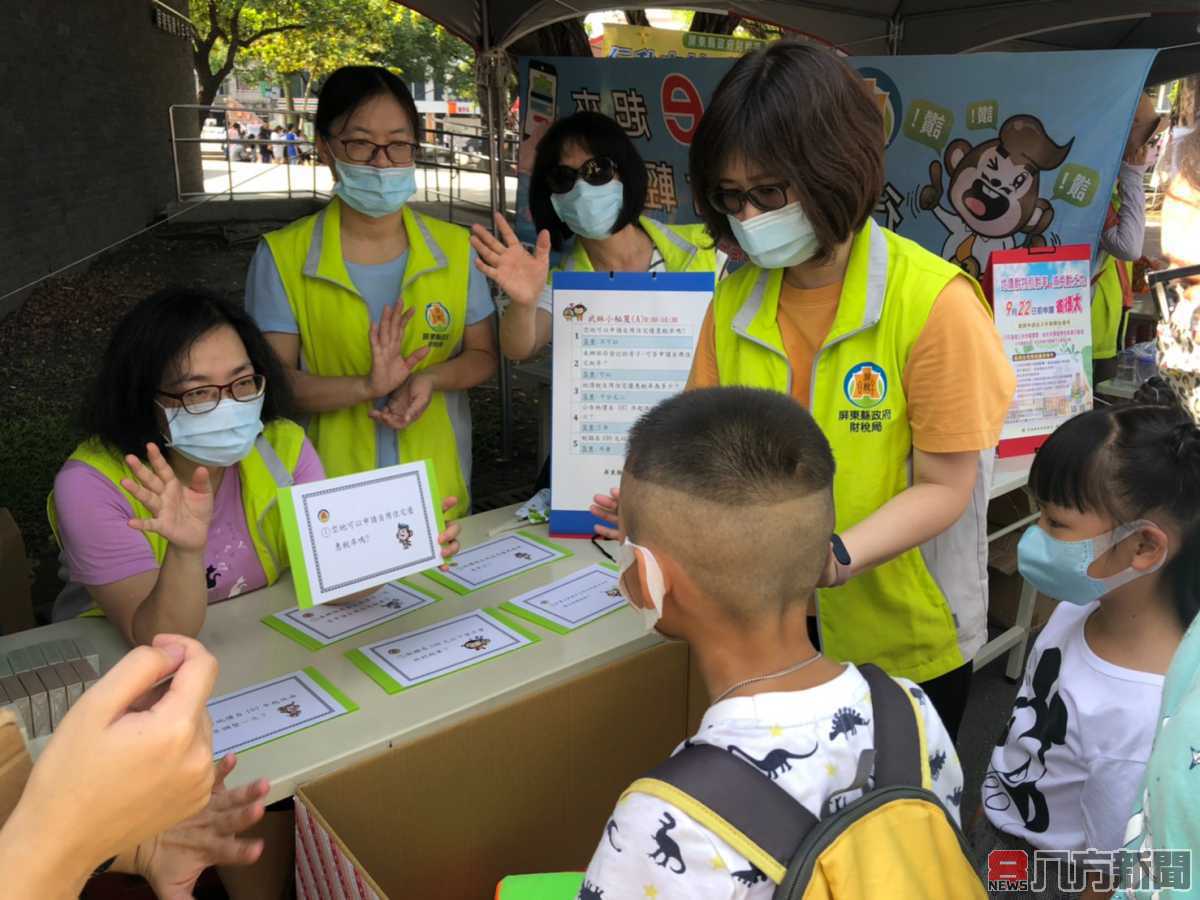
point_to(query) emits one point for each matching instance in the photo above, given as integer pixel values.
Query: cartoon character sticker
(291, 710)
(574, 312)
(404, 534)
(993, 192)
(477, 643)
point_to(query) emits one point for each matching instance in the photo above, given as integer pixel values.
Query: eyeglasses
(766, 197)
(400, 153)
(205, 398)
(597, 171)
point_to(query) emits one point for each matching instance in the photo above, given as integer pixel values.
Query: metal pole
(175, 156)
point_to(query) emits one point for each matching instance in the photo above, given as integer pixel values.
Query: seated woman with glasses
(189, 383)
(587, 195)
(336, 291)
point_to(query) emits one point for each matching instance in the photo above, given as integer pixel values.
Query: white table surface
(250, 652)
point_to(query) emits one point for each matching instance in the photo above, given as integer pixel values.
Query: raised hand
(448, 539)
(390, 368)
(173, 861)
(180, 514)
(519, 273)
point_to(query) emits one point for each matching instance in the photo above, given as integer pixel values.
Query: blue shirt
(379, 285)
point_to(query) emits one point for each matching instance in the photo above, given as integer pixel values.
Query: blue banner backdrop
(1071, 111)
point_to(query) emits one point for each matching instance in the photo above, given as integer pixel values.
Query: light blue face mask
(223, 436)
(777, 239)
(372, 191)
(590, 210)
(1059, 569)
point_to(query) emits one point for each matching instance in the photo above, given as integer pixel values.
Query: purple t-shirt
(99, 547)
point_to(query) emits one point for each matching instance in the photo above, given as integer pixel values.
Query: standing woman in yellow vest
(587, 196)
(188, 382)
(891, 348)
(375, 310)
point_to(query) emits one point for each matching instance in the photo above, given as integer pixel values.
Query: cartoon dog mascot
(993, 192)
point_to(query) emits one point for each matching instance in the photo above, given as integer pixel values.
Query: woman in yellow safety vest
(891, 348)
(379, 317)
(587, 196)
(189, 382)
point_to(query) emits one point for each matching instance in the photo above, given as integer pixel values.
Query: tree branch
(277, 29)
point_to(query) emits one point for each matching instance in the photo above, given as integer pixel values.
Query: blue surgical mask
(590, 210)
(777, 239)
(373, 191)
(1059, 569)
(221, 437)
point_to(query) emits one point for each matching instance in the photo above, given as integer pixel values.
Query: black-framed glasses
(766, 197)
(596, 171)
(400, 153)
(203, 399)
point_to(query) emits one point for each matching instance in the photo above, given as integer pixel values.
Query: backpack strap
(899, 732)
(733, 800)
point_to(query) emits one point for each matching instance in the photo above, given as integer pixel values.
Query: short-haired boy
(727, 502)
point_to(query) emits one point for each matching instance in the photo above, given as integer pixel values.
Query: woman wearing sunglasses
(891, 348)
(587, 194)
(189, 383)
(340, 289)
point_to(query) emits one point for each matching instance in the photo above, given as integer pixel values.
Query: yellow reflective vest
(896, 615)
(684, 248)
(269, 467)
(334, 323)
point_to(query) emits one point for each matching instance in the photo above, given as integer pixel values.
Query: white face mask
(777, 239)
(223, 436)
(627, 559)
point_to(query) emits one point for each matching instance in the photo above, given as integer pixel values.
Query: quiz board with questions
(623, 342)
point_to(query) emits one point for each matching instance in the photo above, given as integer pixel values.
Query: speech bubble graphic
(929, 124)
(984, 114)
(1076, 184)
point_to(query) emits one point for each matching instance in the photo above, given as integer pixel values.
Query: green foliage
(420, 50)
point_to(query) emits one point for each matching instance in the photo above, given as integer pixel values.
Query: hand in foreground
(180, 514)
(606, 507)
(173, 860)
(114, 775)
(502, 258)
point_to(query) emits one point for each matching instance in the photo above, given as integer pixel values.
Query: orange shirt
(958, 380)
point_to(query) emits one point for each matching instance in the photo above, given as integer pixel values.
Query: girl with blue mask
(170, 503)
(1118, 545)
(381, 302)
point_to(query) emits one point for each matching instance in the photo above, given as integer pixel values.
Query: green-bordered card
(497, 560)
(320, 626)
(408, 660)
(356, 532)
(261, 713)
(571, 602)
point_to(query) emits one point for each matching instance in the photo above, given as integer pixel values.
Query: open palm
(178, 513)
(502, 258)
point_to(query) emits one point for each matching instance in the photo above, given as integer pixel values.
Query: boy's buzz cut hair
(737, 484)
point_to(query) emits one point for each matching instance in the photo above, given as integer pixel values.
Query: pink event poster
(1042, 302)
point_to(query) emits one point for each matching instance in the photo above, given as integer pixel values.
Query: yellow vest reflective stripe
(684, 248)
(334, 322)
(268, 467)
(1112, 294)
(895, 615)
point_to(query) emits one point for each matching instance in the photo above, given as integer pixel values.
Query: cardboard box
(524, 787)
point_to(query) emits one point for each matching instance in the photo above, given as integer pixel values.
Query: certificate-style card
(265, 712)
(320, 626)
(572, 601)
(356, 532)
(496, 560)
(459, 643)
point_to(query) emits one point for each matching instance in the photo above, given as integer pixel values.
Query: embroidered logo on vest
(437, 317)
(866, 385)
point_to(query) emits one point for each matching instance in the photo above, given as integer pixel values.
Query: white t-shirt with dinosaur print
(808, 741)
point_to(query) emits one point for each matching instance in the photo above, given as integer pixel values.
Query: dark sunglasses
(766, 197)
(597, 171)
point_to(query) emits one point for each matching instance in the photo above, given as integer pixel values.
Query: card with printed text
(320, 626)
(496, 560)
(260, 713)
(571, 602)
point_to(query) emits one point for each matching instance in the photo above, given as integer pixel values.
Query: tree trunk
(637, 17)
(714, 23)
(567, 38)
(287, 92)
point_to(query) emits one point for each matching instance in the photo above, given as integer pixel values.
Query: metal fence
(453, 163)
